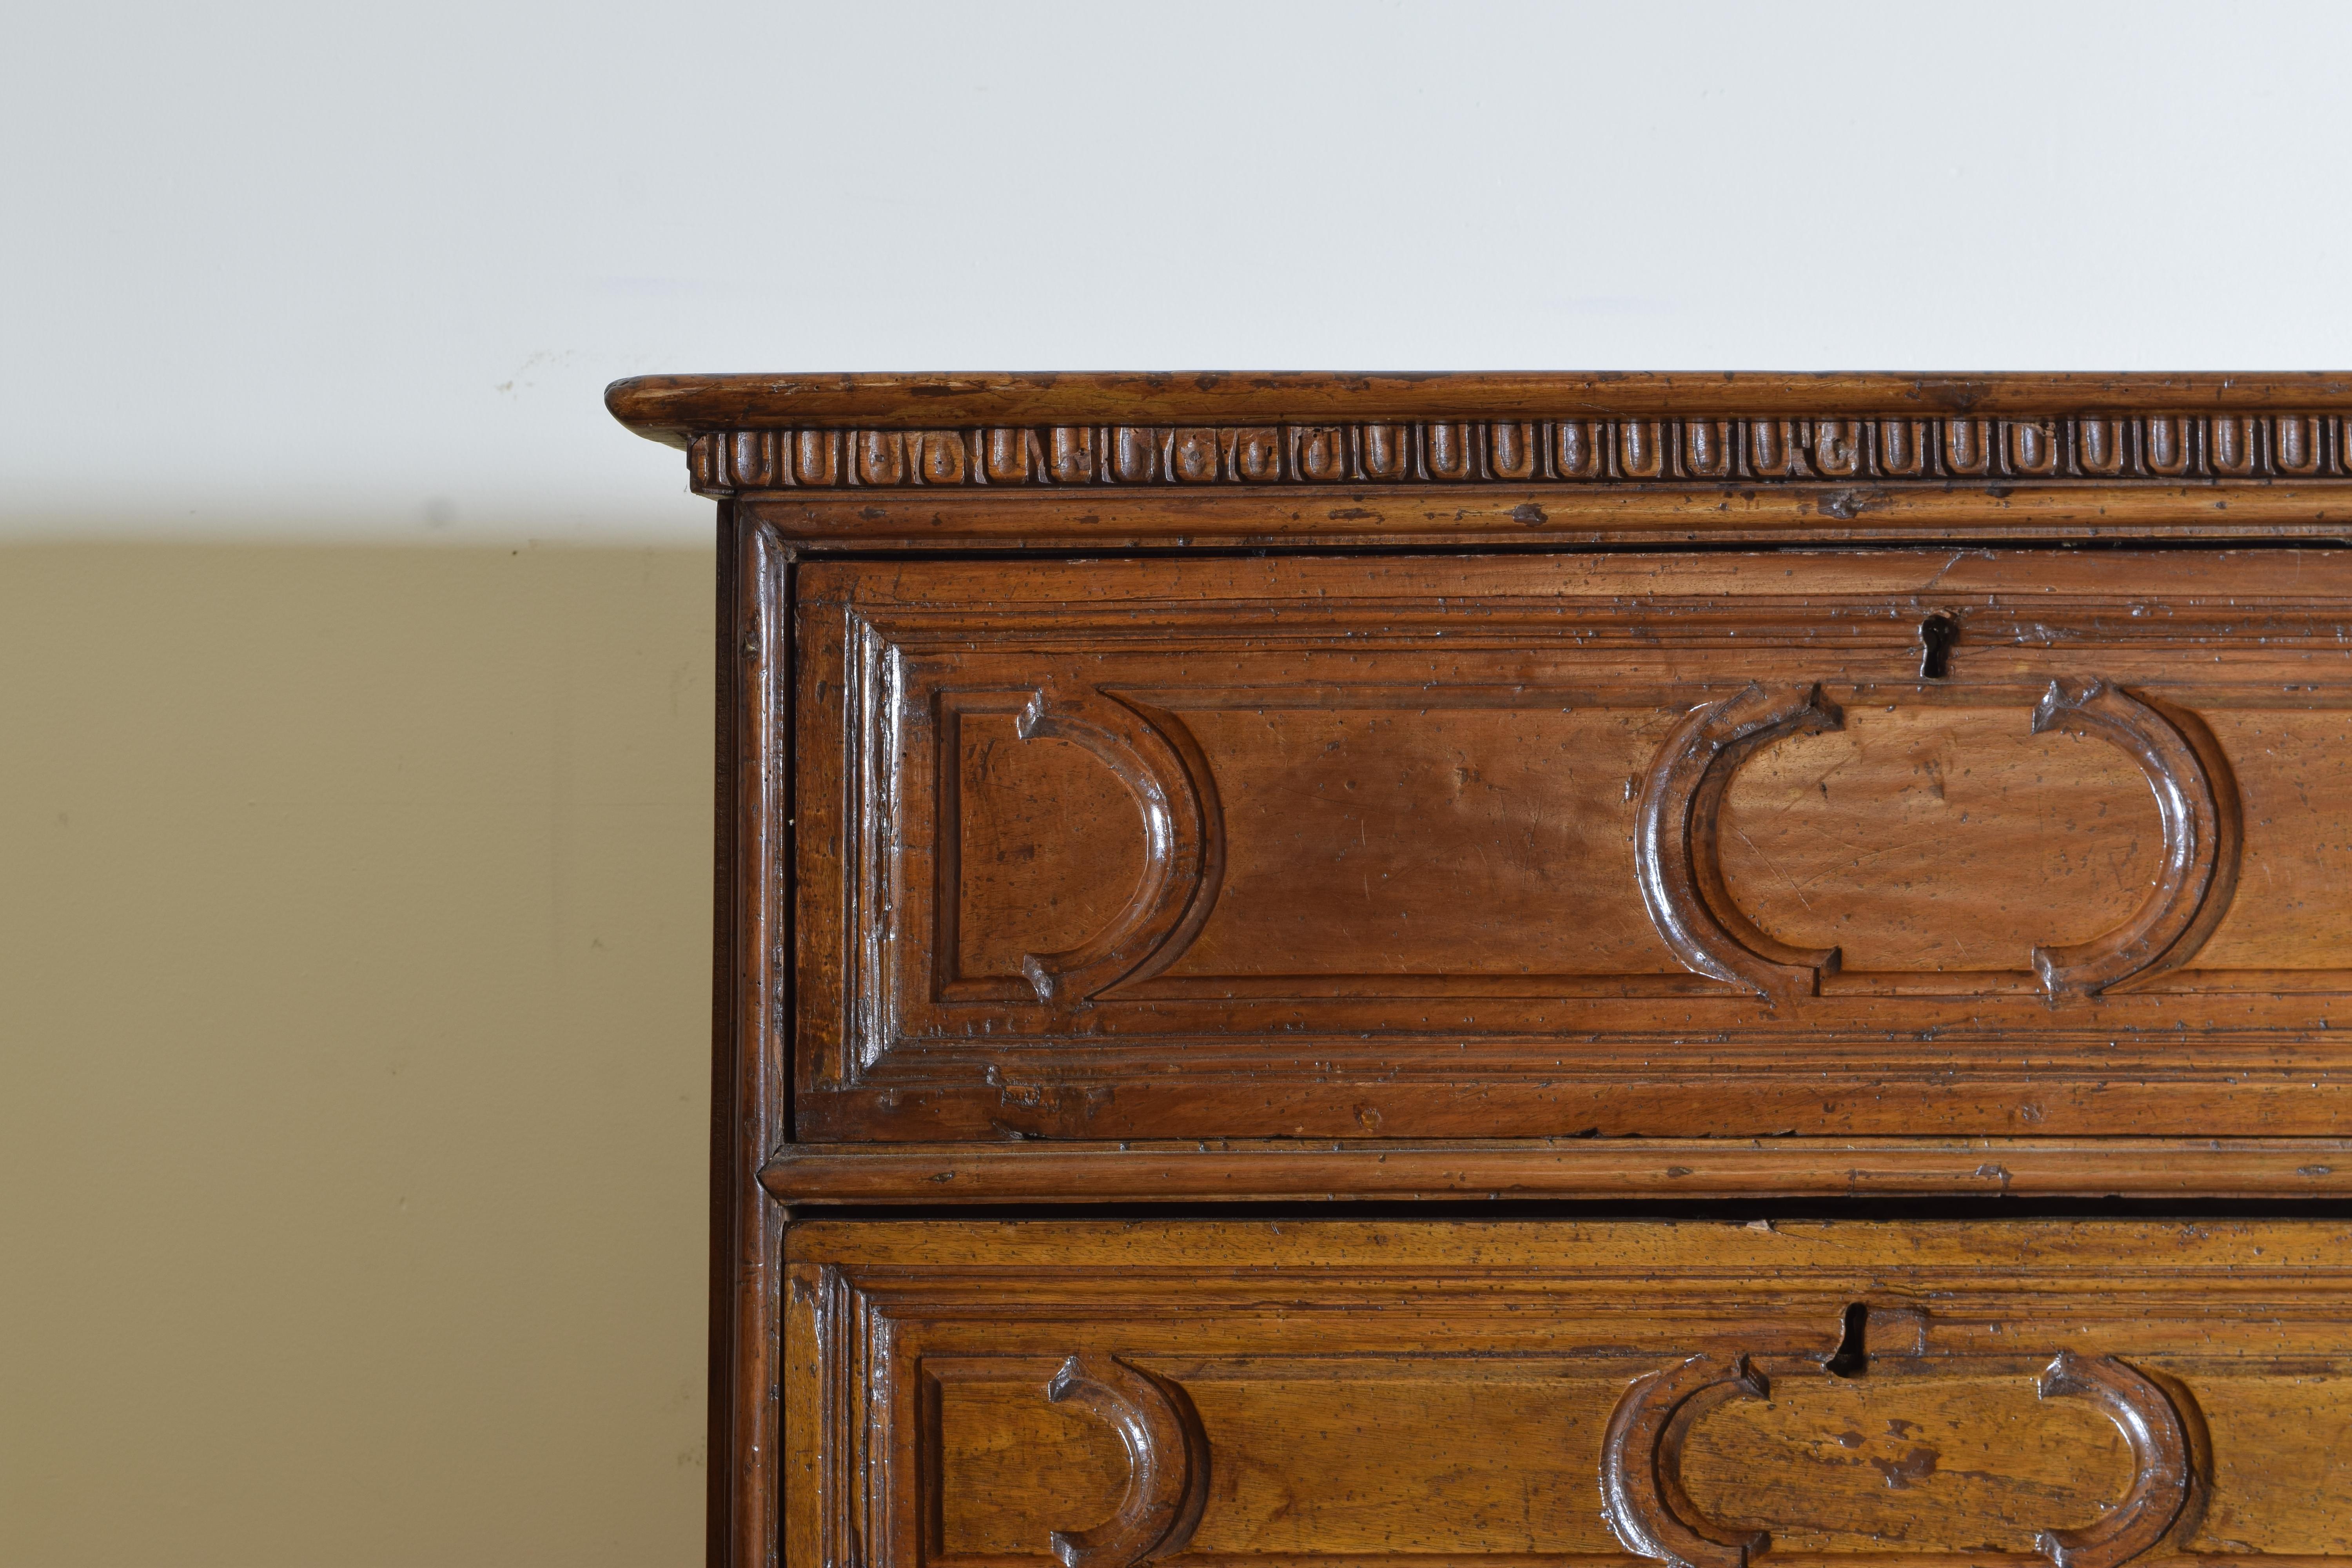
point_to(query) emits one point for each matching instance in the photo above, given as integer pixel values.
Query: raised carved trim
(1674, 840)
(1183, 840)
(1647, 1508)
(1677, 865)
(1838, 448)
(2196, 803)
(1298, 1170)
(1168, 1462)
(1642, 1495)
(2163, 1469)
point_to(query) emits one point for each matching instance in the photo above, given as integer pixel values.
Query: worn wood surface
(1658, 786)
(2085, 1393)
(1497, 516)
(1667, 1168)
(1108, 462)
(675, 407)
(751, 1081)
(1489, 847)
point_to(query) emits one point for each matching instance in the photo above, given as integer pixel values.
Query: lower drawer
(982, 1395)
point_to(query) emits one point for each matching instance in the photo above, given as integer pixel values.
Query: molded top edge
(676, 408)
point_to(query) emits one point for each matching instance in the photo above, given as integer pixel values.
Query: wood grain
(1119, 461)
(1690, 786)
(1459, 848)
(1675, 1169)
(671, 407)
(1554, 516)
(751, 1093)
(2086, 1394)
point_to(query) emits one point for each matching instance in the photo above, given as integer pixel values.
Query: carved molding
(2163, 1473)
(1674, 840)
(1642, 1495)
(1647, 1508)
(1168, 1462)
(1677, 865)
(2196, 803)
(1840, 447)
(1183, 840)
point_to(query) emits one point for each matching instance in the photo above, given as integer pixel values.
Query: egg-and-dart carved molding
(1843, 448)
(1678, 813)
(1152, 752)
(1166, 1457)
(1646, 1507)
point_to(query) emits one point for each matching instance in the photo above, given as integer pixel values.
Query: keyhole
(1937, 635)
(1853, 1357)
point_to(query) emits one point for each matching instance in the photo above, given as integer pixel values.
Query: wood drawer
(1906, 841)
(1618, 788)
(969, 1395)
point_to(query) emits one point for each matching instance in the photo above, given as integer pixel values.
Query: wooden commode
(1317, 971)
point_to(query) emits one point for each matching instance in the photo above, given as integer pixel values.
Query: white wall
(361, 270)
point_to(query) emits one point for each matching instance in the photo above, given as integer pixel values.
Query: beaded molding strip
(2091, 448)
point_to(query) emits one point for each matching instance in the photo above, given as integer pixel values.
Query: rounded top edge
(677, 408)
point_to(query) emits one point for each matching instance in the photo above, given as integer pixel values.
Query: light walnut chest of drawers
(1634, 968)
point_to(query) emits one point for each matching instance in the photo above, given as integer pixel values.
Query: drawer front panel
(1105, 1395)
(1908, 841)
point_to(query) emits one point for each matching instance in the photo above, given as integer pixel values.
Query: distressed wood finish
(1675, 846)
(1112, 461)
(1170, 789)
(678, 408)
(1669, 1168)
(2081, 1394)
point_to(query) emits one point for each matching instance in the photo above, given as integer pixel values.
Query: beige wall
(354, 967)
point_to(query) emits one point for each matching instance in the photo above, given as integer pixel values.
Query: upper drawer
(1868, 842)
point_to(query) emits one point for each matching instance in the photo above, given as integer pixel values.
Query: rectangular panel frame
(2180, 1334)
(893, 650)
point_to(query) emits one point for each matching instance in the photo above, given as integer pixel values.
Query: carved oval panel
(1924, 838)
(1896, 1462)
(1649, 1503)
(2176, 901)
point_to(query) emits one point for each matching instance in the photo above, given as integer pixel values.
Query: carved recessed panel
(1887, 1458)
(1080, 841)
(1649, 1504)
(2192, 875)
(1388, 834)
(1051, 847)
(1167, 1462)
(1117, 927)
(1895, 838)
(2293, 770)
(1316, 1459)
(1011, 1466)
(1684, 1394)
